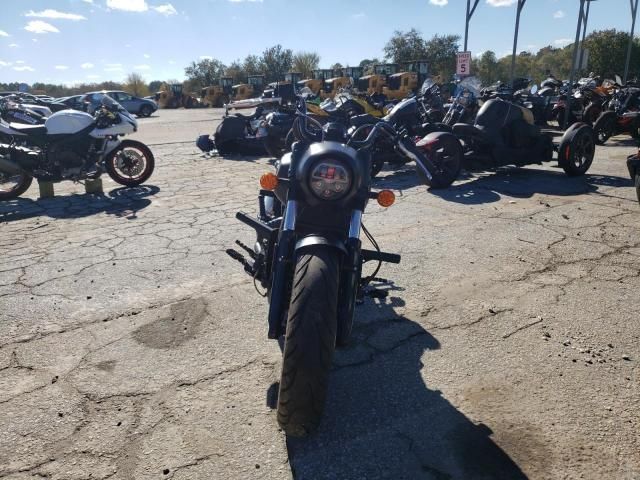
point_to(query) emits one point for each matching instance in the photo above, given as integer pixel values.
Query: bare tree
(305, 63)
(136, 85)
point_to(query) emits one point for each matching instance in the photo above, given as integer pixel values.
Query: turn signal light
(269, 181)
(386, 198)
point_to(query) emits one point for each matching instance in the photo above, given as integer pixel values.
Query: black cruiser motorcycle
(308, 255)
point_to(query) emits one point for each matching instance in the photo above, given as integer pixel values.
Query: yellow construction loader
(253, 88)
(218, 94)
(333, 85)
(172, 96)
(400, 85)
(317, 83)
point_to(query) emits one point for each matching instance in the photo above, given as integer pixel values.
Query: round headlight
(330, 180)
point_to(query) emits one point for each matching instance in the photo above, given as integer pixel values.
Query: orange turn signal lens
(386, 198)
(269, 181)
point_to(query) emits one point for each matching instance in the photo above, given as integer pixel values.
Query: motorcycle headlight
(330, 180)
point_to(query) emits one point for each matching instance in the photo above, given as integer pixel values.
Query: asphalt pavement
(508, 347)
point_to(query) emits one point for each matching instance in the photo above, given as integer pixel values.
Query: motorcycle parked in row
(623, 116)
(585, 105)
(75, 146)
(308, 255)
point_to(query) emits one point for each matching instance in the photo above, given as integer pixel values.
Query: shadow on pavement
(121, 202)
(524, 183)
(383, 422)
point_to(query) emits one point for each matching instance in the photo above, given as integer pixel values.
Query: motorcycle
(15, 112)
(73, 145)
(308, 255)
(623, 116)
(633, 164)
(464, 106)
(504, 133)
(585, 105)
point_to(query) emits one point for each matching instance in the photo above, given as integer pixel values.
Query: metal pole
(573, 64)
(470, 11)
(634, 10)
(515, 39)
(584, 33)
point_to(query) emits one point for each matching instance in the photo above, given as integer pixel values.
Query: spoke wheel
(131, 164)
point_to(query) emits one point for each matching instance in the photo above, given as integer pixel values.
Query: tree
(136, 85)
(237, 72)
(367, 65)
(440, 51)
(486, 68)
(608, 52)
(405, 47)
(155, 85)
(251, 65)
(276, 61)
(205, 72)
(337, 66)
(305, 63)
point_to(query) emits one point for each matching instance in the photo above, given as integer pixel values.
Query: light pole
(581, 18)
(519, 7)
(470, 11)
(634, 10)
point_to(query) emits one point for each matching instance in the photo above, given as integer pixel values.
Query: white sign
(463, 65)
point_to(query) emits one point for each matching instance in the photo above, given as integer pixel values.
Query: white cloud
(61, 67)
(13, 45)
(167, 9)
(128, 5)
(562, 42)
(146, 55)
(501, 3)
(38, 26)
(87, 65)
(142, 67)
(5, 64)
(93, 77)
(439, 3)
(558, 14)
(55, 14)
(20, 61)
(3, 33)
(172, 62)
(87, 1)
(205, 57)
(24, 68)
(358, 16)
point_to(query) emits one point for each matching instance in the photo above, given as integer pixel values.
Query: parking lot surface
(133, 347)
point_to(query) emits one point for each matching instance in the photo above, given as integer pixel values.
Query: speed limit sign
(463, 66)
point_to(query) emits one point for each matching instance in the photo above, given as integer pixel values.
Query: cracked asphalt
(508, 347)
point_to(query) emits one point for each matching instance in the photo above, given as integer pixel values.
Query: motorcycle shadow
(382, 421)
(488, 187)
(121, 202)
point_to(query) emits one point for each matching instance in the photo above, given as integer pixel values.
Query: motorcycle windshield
(428, 83)
(471, 85)
(111, 104)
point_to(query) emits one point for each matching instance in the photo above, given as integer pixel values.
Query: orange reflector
(386, 198)
(269, 181)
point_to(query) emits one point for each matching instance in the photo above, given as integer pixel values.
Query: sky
(74, 41)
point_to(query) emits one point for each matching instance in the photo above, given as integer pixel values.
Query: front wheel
(130, 164)
(577, 149)
(604, 128)
(446, 154)
(13, 185)
(310, 340)
(637, 182)
(146, 111)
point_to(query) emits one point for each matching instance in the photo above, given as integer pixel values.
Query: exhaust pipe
(7, 166)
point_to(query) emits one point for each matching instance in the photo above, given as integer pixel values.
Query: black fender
(633, 164)
(316, 240)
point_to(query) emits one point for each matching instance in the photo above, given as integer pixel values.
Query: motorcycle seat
(364, 119)
(29, 129)
(467, 130)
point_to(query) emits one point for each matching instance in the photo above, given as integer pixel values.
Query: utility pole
(470, 11)
(634, 10)
(519, 7)
(581, 18)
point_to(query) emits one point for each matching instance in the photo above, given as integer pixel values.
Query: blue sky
(71, 41)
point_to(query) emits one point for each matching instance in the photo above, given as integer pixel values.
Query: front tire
(577, 149)
(604, 128)
(310, 340)
(130, 164)
(637, 183)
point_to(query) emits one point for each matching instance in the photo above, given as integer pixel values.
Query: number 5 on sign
(463, 65)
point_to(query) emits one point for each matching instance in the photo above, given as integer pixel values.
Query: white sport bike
(73, 145)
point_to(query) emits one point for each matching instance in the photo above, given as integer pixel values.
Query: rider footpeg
(237, 256)
(246, 248)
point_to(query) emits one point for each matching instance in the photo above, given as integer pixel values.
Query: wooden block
(93, 186)
(46, 189)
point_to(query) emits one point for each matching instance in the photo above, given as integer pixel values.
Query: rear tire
(637, 182)
(310, 340)
(446, 155)
(146, 111)
(22, 184)
(604, 127)
(130, 164)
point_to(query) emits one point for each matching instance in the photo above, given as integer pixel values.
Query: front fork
(350, 279)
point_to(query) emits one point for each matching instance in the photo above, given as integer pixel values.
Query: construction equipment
(172, 96)
(354, 73)
(421, 67)
(251, 89)
(333, 85)
(371, 84)
(317, 83)
(386, 69)
(218, 94)
(400, 85)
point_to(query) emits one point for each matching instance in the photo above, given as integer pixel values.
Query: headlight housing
(330, 179)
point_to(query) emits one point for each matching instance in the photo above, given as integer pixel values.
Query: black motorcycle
(633, 164)
(308, 255)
